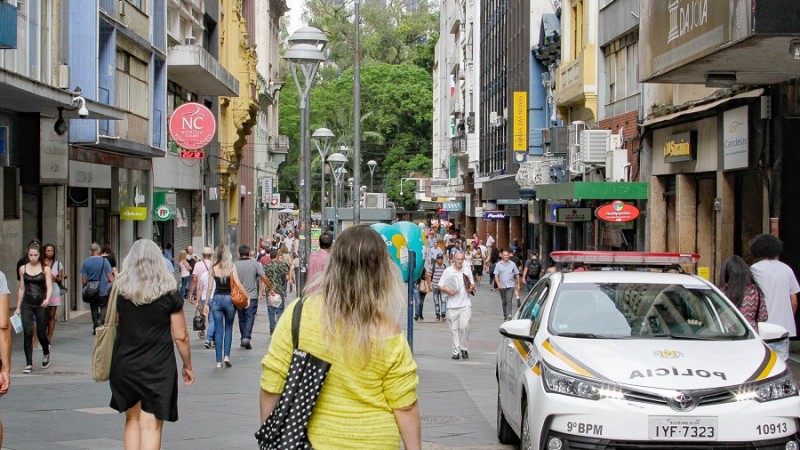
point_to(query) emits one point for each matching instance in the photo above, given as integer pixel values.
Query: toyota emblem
(682, 402)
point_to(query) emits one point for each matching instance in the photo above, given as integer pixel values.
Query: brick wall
(630, 135)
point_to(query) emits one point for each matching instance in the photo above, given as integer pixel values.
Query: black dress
(143, 366)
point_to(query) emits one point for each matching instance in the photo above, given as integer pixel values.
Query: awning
(702, 107)
(593, 190)
(26, 95)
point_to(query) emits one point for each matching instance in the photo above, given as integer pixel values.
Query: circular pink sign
(192, 126)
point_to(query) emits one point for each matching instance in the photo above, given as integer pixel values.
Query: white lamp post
(372, 164)
(323, 136)
(305, 52)
(337, 162)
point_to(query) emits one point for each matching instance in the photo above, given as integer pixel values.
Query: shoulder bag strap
(111, 310)
(296, 323)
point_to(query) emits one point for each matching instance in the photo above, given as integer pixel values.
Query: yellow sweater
(354, 409)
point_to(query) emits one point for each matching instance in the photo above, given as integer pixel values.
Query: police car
(613, 355)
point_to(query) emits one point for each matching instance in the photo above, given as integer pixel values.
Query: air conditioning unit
(616, 162)
(594, 145)
(376, 200)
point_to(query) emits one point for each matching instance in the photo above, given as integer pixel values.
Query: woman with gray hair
(144, 374)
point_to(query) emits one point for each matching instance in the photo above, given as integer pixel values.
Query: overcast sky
(295, 14)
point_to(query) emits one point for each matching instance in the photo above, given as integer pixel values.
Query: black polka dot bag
(287, 426)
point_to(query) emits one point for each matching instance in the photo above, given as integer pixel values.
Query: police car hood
(664, 363)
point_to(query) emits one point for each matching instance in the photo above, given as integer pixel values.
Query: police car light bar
(624, 258)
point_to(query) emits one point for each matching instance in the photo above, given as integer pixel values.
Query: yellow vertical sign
(520, 121)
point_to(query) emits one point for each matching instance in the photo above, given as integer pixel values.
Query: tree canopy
(396, 124)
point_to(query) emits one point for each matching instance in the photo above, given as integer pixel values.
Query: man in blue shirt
(97, 268)
(506, 278)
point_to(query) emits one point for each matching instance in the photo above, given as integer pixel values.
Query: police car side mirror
(517, 329)
(770, 332)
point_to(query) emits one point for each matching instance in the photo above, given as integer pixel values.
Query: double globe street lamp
(305, 53)
(337, 162)
(322, 136)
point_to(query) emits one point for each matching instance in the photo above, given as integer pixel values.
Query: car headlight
(776, 388)
(559, 382)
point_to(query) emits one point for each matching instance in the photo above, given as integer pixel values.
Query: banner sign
(574, 214)
(192, 126)
(520, 138)
(617, 211)
(494, 215)
(735, 139)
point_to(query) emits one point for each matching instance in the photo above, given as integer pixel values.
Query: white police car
(612, 359)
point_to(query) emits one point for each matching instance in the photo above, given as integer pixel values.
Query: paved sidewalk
(62, 408)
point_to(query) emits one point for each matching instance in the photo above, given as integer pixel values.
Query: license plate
(670, 428)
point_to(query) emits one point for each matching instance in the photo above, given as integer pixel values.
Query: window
(621, 66)
(10, 195)
(139, 4)
(133, 92)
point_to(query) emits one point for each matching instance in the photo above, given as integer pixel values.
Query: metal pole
(357, 118)
(335, 205)
(303, 200)
(410, 334)
(306, 247)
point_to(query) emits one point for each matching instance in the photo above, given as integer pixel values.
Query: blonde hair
(362, 292)
(223, 259)
(145, 276)
(182, 255)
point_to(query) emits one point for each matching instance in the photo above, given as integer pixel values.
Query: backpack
(534, 269)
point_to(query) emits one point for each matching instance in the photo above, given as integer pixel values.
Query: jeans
(505, 299)
(247, 317)
(42, 315)
(531, 283)
(223, 311)
(491, 275)
(419, 299)
(274, 313)
(185, 282)
(98, 308)
(211, 329)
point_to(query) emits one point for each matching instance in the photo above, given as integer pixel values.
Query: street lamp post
(338, 173)
(372, 164)
(305, 52)
(324, 136)
(357, 111)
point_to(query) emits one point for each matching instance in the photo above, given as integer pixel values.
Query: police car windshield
(636, 310)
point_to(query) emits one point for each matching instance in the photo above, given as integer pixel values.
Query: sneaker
(227, 362)
(456, 356)
(219, 365)
(464, 354)
(46, 361)
(248, 346)
(27, 369)
(208, 344)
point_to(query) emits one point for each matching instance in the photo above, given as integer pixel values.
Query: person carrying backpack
(533, 270)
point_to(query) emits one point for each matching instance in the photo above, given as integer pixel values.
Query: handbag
(274, 300)
(198, 322)
(467, 284)
(106, 335)
(239, 296)
(287, 426)
(91, 290)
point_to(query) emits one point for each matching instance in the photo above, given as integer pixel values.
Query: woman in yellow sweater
(369, 399)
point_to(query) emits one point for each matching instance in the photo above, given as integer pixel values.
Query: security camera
(80, 102)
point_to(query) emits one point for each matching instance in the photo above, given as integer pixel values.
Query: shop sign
(275, 201)
(164, 205)
(735, 139)
(494, 215)
(574, 214)
(681, 147)
(192, 126)
(133, 213)
(513, 210)
(453, 206)
(552, 208)
(520, 140)
(266, 190)
(617, 211)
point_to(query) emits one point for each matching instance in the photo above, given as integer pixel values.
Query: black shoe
(247, 345)
(456, 356)
(416, 317)
(46, 361)
(464, 354)
(94, 332)
(421, 318)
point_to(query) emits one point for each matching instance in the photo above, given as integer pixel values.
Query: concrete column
(686, 212)
(516, 230)
(502, 233)
(657, 216)
(725, 219)
(705, 225)
(469, 226)
(481, 228)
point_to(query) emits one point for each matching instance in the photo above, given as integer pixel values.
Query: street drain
(440, 419)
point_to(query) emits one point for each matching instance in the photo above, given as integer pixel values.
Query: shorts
(54, 301)
(477, 270)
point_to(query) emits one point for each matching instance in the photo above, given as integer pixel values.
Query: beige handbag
(106, 335)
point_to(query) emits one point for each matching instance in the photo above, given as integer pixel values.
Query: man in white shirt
(779, 284)
(459, 306)
(489, 240)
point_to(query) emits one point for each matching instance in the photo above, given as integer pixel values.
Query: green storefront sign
(164, 205)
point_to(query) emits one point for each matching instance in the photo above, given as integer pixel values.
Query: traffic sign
(196, 154)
